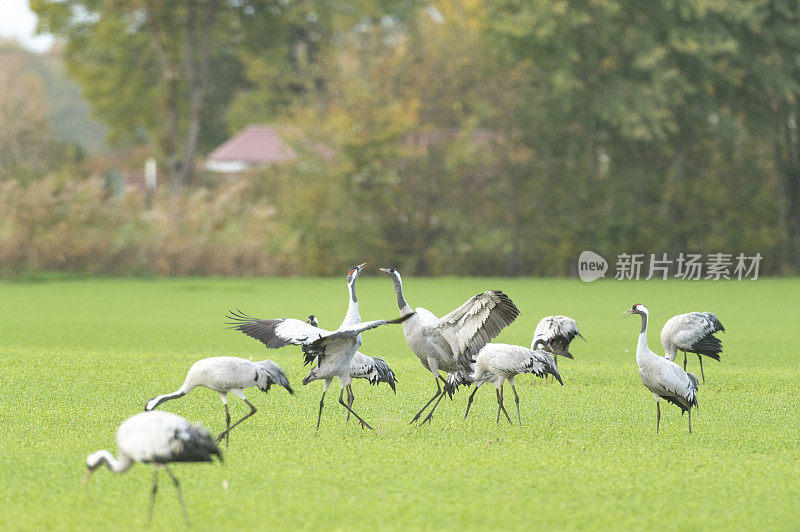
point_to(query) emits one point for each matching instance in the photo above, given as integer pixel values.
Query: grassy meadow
(79, 356)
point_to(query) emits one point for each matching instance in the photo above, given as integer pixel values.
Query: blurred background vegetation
(448, 137)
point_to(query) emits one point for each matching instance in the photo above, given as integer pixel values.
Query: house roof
(254, 145)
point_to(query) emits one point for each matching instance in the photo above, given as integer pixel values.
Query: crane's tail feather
(454, 381)
(709, 346)
(382, 373)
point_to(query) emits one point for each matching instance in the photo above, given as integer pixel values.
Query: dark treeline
(479, 137)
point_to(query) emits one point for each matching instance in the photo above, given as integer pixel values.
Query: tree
(149, 66)
(28, 146)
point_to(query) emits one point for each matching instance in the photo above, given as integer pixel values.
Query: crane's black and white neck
(352, 316)
(105, 458)
(397, 281)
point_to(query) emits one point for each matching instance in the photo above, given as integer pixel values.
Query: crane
(692, 332)
(500, 362)
(331, 350)
(557, 332)
(661, 376)
(451, 342)
(157, 438)
(227, 375)
(373, 369)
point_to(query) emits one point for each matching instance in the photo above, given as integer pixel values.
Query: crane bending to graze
(156, 438)
(500, 362)
(693, 333)
(373, 369)
(557, 332)
(228, 375)
(661, 376)
(331, 350)
(452, 342)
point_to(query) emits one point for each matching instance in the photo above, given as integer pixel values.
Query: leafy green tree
(164, 71)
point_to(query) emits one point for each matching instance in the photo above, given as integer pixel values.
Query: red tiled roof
(254, 145)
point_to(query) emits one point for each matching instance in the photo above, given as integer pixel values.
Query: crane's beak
(385, 270)
(627, 312)
(86, 478)
(361, 266)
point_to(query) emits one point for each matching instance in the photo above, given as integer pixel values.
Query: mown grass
(80, 356)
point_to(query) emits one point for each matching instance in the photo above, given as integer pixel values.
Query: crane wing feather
(694, 332)
(672, 383)
(475, 323)
(275, 333)
(163, 437)
(558, 332)
(517, 359)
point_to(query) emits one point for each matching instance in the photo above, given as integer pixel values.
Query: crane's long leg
(322, 399)
(658, 414)
(224, 397)
(684, 361)
(503, 406)
(437, 394)
(469, 403)
(341, 402)
(433, 408)
(430, 414)
(690, 420)
(350, 399)
(180, 495)
(701, 367)
(516, 400)
(230, 427)
(153, 493)
(497, 393)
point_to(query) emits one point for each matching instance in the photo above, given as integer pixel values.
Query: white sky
(17, 22)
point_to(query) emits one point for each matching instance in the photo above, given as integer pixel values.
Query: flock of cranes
(458, 344)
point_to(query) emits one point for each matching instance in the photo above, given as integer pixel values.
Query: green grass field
(80, 356)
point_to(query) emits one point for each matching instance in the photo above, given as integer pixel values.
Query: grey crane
(373, 369)
(503, 362)
(331, 350)
(557, 332)
(450, 343)
(227, 375)
(661, 376)
(694, 333)
(157, 438)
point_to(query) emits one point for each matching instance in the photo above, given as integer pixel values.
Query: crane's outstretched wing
(472, 325)
(276, 332)
(557, 332)
(332, 341)
(351, 331)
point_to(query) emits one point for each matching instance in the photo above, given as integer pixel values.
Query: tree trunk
(179, 157)
(197, 58)
(788, 154)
